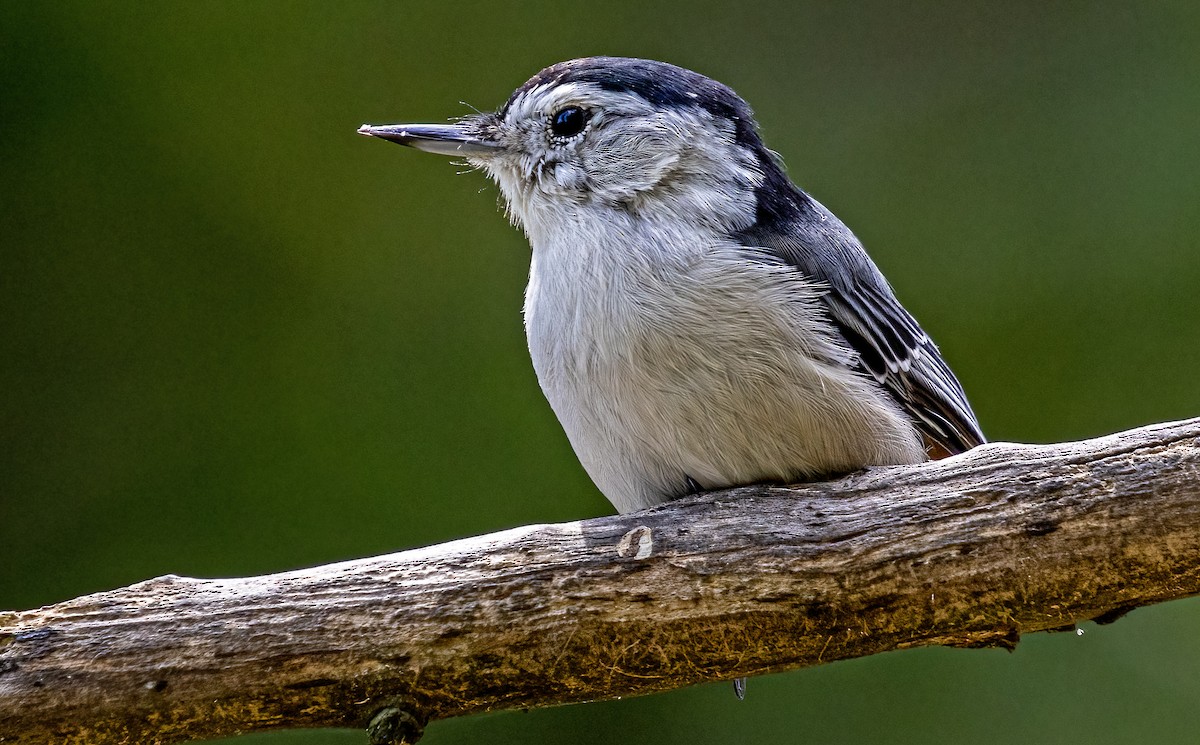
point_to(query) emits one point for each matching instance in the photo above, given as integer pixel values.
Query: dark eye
(568, 122)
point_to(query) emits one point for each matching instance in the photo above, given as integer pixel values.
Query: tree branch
(970, 551)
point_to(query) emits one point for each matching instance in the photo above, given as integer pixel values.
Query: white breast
(687, 359)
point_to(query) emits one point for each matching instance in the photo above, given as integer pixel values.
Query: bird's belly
(723, 380)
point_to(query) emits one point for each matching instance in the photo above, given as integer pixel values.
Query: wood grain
(969, 551)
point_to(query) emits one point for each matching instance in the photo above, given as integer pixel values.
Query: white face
(574, 144)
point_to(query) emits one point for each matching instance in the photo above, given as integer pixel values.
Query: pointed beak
(443, 139)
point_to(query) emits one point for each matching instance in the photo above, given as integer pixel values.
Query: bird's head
(631, 137)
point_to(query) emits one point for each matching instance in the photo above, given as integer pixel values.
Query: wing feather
(891, 345)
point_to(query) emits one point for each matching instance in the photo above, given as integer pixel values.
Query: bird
(696, 320)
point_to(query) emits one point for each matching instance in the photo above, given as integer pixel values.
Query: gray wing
(891, 345)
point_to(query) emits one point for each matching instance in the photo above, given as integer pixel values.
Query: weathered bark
(970, 551)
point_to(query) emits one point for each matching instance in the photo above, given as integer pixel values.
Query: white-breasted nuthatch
(695, 319)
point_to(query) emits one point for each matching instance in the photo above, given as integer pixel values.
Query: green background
(237, 338)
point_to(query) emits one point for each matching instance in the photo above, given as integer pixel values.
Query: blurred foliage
(237, 338)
